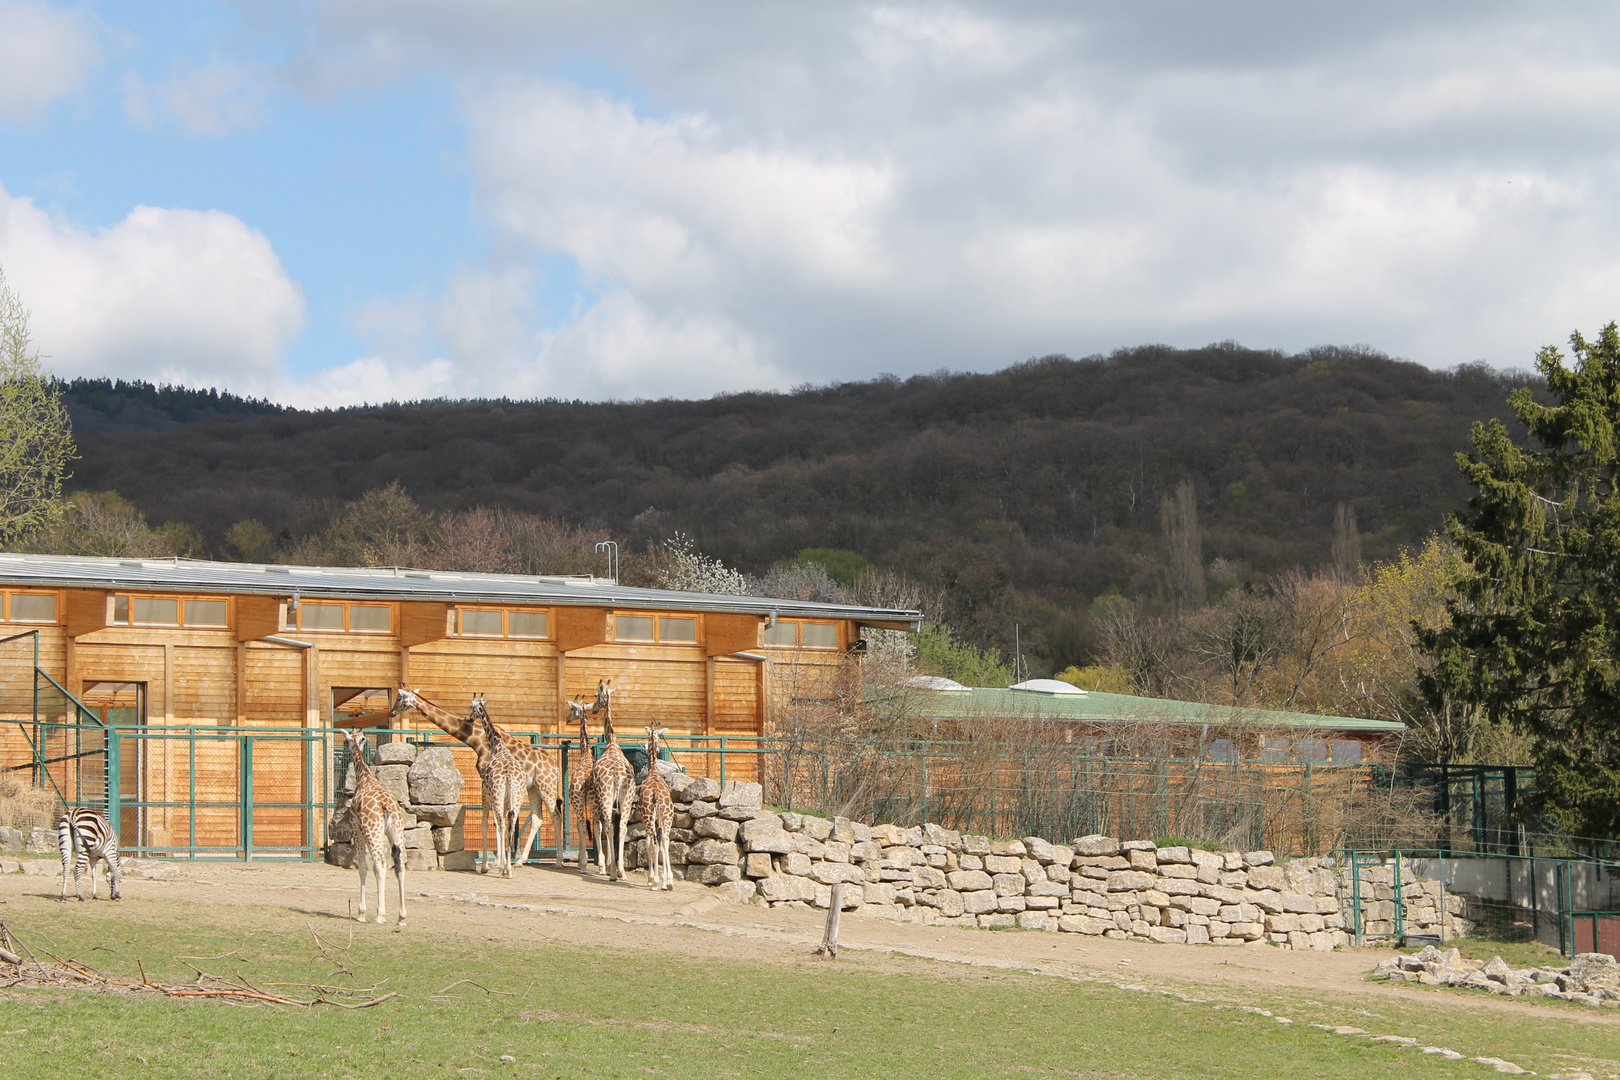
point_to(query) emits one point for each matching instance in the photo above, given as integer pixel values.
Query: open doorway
(361, 707)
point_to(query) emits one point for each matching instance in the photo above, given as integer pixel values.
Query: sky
(331, 203)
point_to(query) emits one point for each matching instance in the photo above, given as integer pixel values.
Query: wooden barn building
(227, 649)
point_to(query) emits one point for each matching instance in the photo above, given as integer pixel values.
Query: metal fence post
(246, 791)
(1355, 897)
(115, 787)
(1400, 901)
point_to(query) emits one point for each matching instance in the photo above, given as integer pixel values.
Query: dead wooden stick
(829, 937)
(10, 957)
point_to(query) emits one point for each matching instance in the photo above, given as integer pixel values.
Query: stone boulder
(397, 752)
(393, 780)
(12, 839)
(433, 778)
(1095, 845)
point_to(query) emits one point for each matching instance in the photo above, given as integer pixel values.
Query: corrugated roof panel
(398, 583)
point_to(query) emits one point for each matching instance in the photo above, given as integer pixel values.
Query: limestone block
(1220, 892)
(1326, 905)
(717, 874)
(447, 838)
(951, 904)
(843, 830)
(1091, 899)
(1240, 913)
(1212, 859)
(1047, 888)
(1258, 858)
(1039, 850)
(1002, 864)
(900, 857)
(1298, 939)
(1198, 935)
(1005, 884)
(1232, 860)
(715, 828)
(1298, 902)
(778, 842)
(677, 852)
(1095, 844)
(1014, 848)
(701, 789)
(1059, 872)
(796, 863)
(1138, 845)
(1178, 886)
(970, 881)
(756, 864)
(1219, 930)
(444, 815)
(418, 859)
(1198, 905)
(973, 844)
(790, 821)
(1097, 873)
(702, 810)
(1311, 923)
(930, 877)
(865, 851)
(1062, 855)
(1172, 917)
(1175, 855)
(913, 836)
(1334, 921)
(714, 852)
(1033, 870)
(1042, 903)
(1264, 899)
(888, 835)
(1010, 903)
(1035, 920)
(340, 855)
(836, 851)
(1143, 859)
(397, 752)
(998, 921)
(949, 839)
(775, 889)
(740, 813)
(970, 862)
(1155, 897)
(1123, 880)
(1282, 924)
(419, 838)
(878, 893)
(979, 902)
(805, 844)
(433, 779)
(828, 873)
(457, 860)
(1167, 935)
(393, 778)
(1233, 879)
(1082, 924)
(1249, 931)
(817, 828)
(1268, 877)
(1182, 871)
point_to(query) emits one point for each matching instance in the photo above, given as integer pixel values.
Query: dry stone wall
(1097, 885)
(427, 784)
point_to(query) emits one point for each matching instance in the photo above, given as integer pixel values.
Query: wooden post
(241, 683)
(829, 937)
(708, 696)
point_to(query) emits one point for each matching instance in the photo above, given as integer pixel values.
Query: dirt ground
(562, 906)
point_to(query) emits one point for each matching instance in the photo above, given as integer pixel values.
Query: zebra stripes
(84, 836)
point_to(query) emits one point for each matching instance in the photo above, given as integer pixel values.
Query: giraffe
(657, 811)
(378, 826)
(542, 780)
(615, 784)
(505, 782)
(581, 794)
(544, 777)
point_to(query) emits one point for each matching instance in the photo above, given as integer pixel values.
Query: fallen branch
(481, 986)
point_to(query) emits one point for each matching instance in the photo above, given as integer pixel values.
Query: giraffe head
(403, 700)
(356, 740)
(604, 694)
(478, 713)
(654, 737)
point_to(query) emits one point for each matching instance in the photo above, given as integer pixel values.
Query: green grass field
(565, 1011)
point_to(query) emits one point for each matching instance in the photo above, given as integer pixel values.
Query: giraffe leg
(362, 861)
(382, 888)
(531, 832)
(397, 843)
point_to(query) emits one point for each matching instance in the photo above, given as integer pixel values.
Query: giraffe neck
(457, 727)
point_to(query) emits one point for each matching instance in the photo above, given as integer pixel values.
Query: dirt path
(547, 904)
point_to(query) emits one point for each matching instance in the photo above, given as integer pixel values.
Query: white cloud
(45, 53)
(174, 295)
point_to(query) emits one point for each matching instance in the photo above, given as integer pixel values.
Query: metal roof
(1102, 707)
(400, 583)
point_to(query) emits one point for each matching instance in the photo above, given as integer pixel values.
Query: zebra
(84, 836)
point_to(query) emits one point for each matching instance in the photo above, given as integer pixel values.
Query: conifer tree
(1533, 636)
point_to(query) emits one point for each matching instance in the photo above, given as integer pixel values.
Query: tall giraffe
(581, 793)
(657, 810)
(615, 783)
(505, 781)
(544, 777)
(542, 780)
(378, 826)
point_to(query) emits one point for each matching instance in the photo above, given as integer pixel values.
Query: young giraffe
(657, 811)
(615, 784)
(544, 777)
(378, 826)
(505, 783)
(581, 794)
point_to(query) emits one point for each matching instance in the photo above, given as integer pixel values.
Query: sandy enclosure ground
(561, 906)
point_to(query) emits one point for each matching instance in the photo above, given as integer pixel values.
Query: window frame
(181, 600)
(54, 594)
(505, 632)
(798, 641)
(657, 618)
(297, 618)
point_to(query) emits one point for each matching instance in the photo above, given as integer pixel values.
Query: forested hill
(1027, 492)
(103, 405)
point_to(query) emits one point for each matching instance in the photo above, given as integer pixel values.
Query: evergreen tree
(1533, 636)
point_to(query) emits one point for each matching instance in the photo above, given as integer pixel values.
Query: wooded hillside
(1023, 495)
